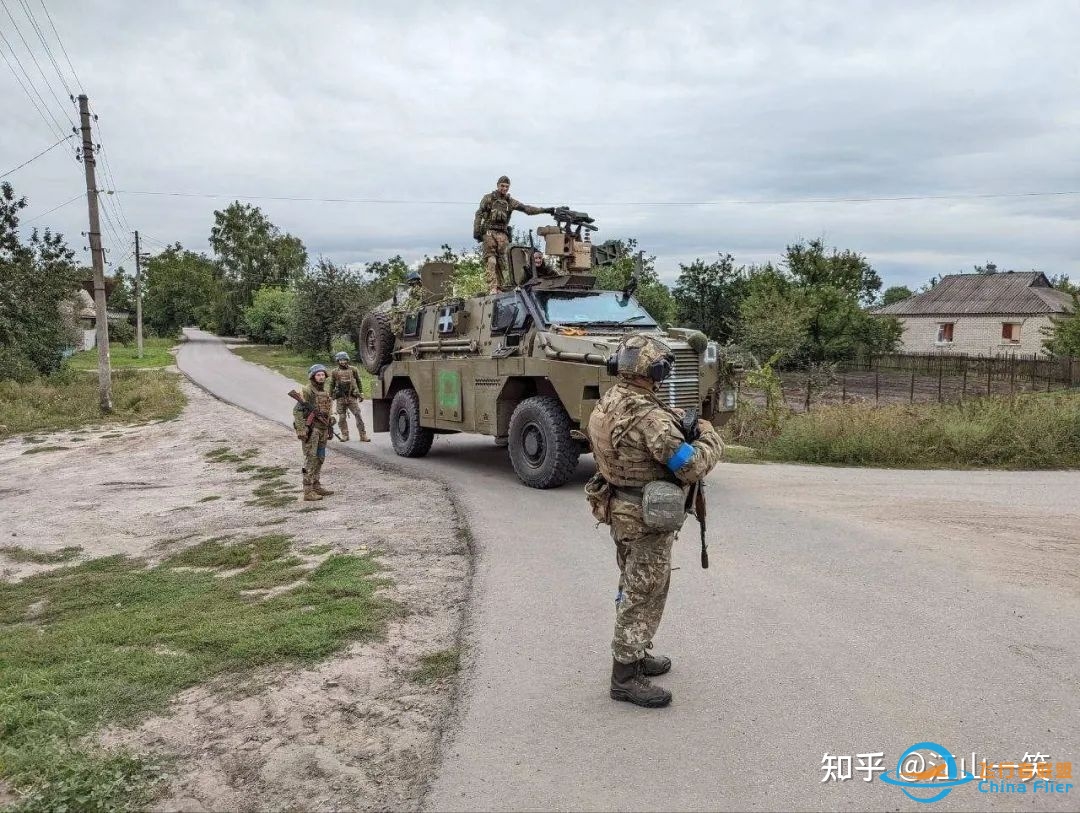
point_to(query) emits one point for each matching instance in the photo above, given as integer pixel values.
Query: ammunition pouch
(598, 493)
(663, 506)
(341, 391)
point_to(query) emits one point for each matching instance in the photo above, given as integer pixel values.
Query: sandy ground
(356, 732)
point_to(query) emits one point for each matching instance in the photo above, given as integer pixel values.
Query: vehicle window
(507, 314)
(592, 307)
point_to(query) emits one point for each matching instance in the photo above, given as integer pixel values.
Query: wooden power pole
(138, 295)
(97, 256)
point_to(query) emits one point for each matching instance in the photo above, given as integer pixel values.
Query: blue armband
(680, 458)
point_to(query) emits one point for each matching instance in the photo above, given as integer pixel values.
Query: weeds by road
(67, 401)
(295, 365)
(111, 640)
(155, 354)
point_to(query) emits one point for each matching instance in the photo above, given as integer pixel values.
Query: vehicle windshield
(592, 307)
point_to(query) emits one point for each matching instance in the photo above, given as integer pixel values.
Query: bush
(121, 331)
(267, 318)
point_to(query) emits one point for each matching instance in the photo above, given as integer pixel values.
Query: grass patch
(270, 472)
(66, 401)
(307, 509)
(211, 498)
(17, 553)
(438, 665)
(268, 522)
(39, 449)
(295, 365)
(740, 454)
(155, 354)
(1030, 431)
(115, 640)
(318, 550)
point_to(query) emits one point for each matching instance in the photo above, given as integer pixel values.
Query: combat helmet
(315, 368)
(341, 356)
(642, 357)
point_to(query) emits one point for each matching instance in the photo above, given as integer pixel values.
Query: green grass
(68, 401)
(295, 365)
(437, 666)
(210, 498)
(112, 640)
(1032, 431)
(155, 354)
(39, 449)
(17, 553)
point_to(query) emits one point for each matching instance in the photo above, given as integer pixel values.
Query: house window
(1010, 333)
(945, 332)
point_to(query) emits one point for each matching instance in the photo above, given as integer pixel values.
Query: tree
(36, 279)
(251, 253)
(707, 296)
(773, 317)
(1062, 337)
(122, 297)
(813, 267)
(180, 288)
(1063, 283)
(897, 293)
(653, 295)
(268, 318)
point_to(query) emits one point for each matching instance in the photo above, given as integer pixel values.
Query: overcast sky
(628, 110)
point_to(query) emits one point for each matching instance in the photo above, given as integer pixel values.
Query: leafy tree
(651, 292)
(707, 296)
(180, 288)
(122, 297)
(251, 253)
(1063, 283)
(1062, 337)
(469, 277)
(267, 319)
(813, 267)
(36, 279)
(773, 316)
(897, 293)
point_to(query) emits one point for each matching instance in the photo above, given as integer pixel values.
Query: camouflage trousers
(644, 560)
(496, 266)
(344, 407)
(314, 454)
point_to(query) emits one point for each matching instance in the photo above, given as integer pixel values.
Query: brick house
(980, 314)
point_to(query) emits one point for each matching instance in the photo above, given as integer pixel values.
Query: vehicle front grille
(681, 388)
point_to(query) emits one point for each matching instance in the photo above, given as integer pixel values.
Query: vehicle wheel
(541, 449)
(376, 342)
(410, 439)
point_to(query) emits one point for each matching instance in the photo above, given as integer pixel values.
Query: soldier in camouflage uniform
(416, 296)
(637, 439)
(316, 399)
(348, 394)
(491, 226)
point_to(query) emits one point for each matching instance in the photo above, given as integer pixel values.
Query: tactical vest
(320, 399)
(620, 455)
(498, 214)
(343, 381)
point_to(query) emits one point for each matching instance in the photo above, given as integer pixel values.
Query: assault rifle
(695, 502)
(311, 415)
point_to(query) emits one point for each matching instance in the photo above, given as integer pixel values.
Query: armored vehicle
(527, 365)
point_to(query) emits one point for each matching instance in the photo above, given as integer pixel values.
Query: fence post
(963, 387)
(989, 372)
(911, 395)
(1070, 372)
(843, 387)
(1012, 376)
(877, 387)
(1049, 373)
(940, 367)
(1034, 373)
(808, 385)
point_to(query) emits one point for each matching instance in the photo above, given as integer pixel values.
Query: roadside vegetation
(111, 640)
(155, 354)
(1029, 431)
(295, 365)
(69, 400)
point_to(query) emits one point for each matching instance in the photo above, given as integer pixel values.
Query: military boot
(310, 494)
(322, 492)
(653, 665)
(364, 438)
(628, 683)
(343, 436)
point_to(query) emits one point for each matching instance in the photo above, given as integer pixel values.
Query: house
(980, 314)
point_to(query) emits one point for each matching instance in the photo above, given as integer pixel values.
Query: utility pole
(138, 295)
(97, 255)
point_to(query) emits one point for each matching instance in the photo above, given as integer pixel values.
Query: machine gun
(695, 501)
(569, 219)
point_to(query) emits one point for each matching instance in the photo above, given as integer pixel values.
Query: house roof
(1006, 293)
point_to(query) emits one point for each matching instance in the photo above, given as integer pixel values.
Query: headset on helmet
(341, 356)
(315, 368)
(642, 357)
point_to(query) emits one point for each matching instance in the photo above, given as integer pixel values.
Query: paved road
(846, 611)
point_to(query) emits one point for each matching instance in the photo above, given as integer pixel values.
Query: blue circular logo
(918, 777)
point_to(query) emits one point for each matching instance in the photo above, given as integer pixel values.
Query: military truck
(527, 365)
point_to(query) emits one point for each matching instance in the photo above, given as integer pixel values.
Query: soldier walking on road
(313, 423)
(638, 441)
(491, 226)
(348, 394)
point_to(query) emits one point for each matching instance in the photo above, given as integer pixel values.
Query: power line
(48, 50)
(720, 202)
(50, 121)
(110, 178)
(37, 64)
(43, 152)
(62, 48)
(67, 202)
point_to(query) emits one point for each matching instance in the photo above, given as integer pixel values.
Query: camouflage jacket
(345, 382)
(494, 213)
(316, 398)
(636, 440)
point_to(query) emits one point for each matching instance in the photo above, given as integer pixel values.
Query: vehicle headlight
(712, 353)
(727, 398)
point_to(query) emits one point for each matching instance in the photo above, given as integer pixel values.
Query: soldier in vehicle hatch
(491, 226)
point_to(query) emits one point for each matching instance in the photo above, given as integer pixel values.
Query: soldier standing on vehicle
(313, 424)
(348, 394)
(491, 226)
(637, 441)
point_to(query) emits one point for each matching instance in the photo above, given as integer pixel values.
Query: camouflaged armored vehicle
(525, 366)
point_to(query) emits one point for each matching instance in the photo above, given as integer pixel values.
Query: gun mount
(569, 241)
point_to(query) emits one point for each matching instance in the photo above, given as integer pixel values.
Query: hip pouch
(598, 495)
(663, 506)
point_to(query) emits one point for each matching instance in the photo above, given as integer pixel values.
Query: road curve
(846, 611)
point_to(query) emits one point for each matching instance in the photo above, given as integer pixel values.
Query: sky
(697, 128)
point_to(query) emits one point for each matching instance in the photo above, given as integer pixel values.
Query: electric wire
(110, 178)
(50, 120)
(45, 45)
(43, 152)
(78, 81)
(67, 202)
(37, 64)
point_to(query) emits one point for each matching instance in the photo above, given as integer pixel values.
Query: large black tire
(541, 449)
(376, 342)
(410, 439)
